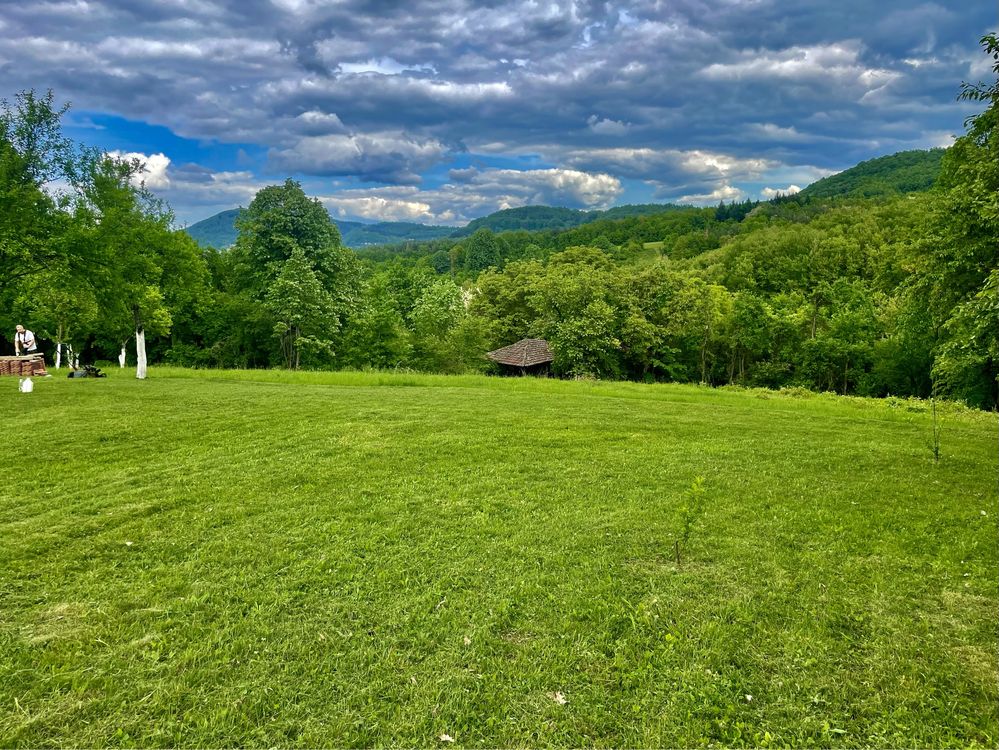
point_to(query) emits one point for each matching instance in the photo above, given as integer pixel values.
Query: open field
(215, 559)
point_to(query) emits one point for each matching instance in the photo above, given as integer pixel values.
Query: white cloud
(980, 67)
(190, 186)
(723, 193)
(154, 168)
(314, 122)
(770, 131)
(837, 63)
(607, 127)
(217, 50)
(768, 192)
(380, 207)
(660, 164)
(935, 139)
(558, 187)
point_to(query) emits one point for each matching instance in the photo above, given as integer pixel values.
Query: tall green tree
(279, 222)
(138, 255)
(304, 310)
(482, 251)
(960, 249)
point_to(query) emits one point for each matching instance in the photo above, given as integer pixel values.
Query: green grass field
(343, 559)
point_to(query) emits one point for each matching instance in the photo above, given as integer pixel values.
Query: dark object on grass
(87, 371)
(527, 355)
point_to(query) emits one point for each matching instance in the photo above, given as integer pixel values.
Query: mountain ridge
(893, 174)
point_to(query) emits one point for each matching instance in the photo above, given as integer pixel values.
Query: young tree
(29, 222)
(130, 232)
(304, 310)
(436, 313)
(63, 307)
(376, 334)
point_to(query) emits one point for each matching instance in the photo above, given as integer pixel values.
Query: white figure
(24, 385)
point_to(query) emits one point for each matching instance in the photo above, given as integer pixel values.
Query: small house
(526, 357)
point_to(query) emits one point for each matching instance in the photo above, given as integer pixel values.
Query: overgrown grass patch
(222, 558)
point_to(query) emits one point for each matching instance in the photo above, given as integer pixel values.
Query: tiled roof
(525, 353)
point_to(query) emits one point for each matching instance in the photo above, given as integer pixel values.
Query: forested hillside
(897, 174)
(896, 294)
(215, 231)
(540, 218)
(219, 231)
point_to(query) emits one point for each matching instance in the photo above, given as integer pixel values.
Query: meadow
(213, 558)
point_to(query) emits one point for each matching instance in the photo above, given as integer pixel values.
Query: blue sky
(443, 110)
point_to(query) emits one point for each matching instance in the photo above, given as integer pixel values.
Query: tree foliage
(896, 294)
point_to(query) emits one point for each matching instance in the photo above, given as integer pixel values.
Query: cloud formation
(474, 193)
(685, 100)
(380, 157)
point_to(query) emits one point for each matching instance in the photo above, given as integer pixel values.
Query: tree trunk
(58, 362)
(121, 354)
(704, 361)
(140, 353)
(140, 345)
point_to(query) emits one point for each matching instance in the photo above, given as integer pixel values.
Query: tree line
(875, 296)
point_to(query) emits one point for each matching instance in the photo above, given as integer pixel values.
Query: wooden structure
(32, 365)
(528, 356)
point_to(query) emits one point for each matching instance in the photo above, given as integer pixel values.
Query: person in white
(24, 341)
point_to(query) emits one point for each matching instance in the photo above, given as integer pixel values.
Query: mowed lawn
(274, 559)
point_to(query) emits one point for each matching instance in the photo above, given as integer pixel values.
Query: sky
(440, 111)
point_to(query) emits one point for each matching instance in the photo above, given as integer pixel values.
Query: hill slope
(215, 231)
(897, 174)
(323, 559)
(220, 231)
(537, 218)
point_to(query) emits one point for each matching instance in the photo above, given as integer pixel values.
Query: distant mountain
(220, 231)
(534, 218)
(897, 174)
(385, 232)
(215, 231)
(530, 218)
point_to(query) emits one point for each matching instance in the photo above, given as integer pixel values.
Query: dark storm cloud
(690, 96)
